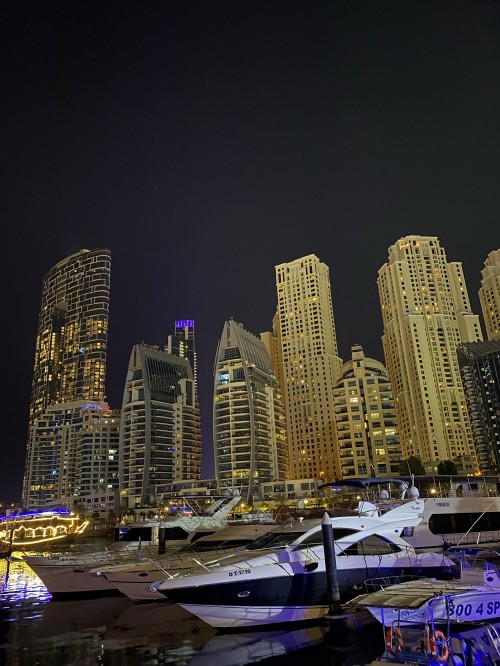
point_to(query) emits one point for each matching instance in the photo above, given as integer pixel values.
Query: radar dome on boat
(384, 494)
(413, 492)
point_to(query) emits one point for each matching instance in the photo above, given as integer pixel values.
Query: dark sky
(205, 142)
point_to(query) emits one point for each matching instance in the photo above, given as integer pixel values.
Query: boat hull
(279, 593)
(474, 606)
(69, 580)
(237, 617)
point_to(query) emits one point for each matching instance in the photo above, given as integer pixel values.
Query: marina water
(36, 631)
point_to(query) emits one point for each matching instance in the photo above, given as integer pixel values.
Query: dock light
(433, 491)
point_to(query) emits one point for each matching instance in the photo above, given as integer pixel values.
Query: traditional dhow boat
(29, 529)
(288, 583)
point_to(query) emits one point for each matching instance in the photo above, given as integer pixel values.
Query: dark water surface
(36, 631)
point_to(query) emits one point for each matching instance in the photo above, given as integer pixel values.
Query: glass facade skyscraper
(69, 375)
(71, 342)
(249, 421)
(480, 368)
(160, 437)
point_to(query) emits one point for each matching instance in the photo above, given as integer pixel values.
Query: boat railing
(472, 537)
(375, 584)
(160, 568)
(475, 559)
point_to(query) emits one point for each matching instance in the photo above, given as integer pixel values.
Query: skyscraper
(69, 372)
(365, 415)
(426, 314)
(480, 368)
(182, 344)
(311, 366)
(160, 437)
(72, 453)
(70, 354)
(249, 423)
(489, 295)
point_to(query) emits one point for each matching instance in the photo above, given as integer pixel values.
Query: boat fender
(393, 640)
(443, 646)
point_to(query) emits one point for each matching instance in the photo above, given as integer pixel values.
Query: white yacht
(134, 579)
(286, 580)
(67, 575)
(458, 510)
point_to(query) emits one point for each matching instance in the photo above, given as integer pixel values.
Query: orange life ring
(440, 637)
(393, 640)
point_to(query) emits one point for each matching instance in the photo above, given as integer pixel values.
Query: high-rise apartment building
(426, 314)
(365, 414)
(70, 354)
(249, 421)
(160, 437)
(489, 295)
(272, 341)
(72, 453)
(311, 366)
(69, 370)
(480, 368)
(182, 343)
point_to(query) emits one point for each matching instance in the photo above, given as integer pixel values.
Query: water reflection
(34, 630)
(248, 648)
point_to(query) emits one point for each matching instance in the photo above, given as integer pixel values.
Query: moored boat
(134, 579)
(438, 622)
(288, 584)
(458, 510)
(39, 527)
(67, 574)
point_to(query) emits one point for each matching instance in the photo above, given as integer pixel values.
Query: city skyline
(204, 145)
(299, 269)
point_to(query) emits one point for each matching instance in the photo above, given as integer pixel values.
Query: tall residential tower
(182, 343)
(489, 295)
(249, 421)
(68, 376)
(480, 368)
(426, 314)
(365, 414)
(160, 437)
(70, 354)
(311, 366)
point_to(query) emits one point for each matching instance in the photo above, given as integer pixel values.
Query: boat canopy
(361, 482)
(406, 595)
(457, 479)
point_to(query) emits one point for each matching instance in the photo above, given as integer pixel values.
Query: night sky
(205, 142)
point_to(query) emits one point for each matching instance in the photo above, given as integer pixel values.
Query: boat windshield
(274, 540)
(282, 539)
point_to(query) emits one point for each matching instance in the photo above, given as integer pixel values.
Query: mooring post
(162, 536)
(332, 582)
